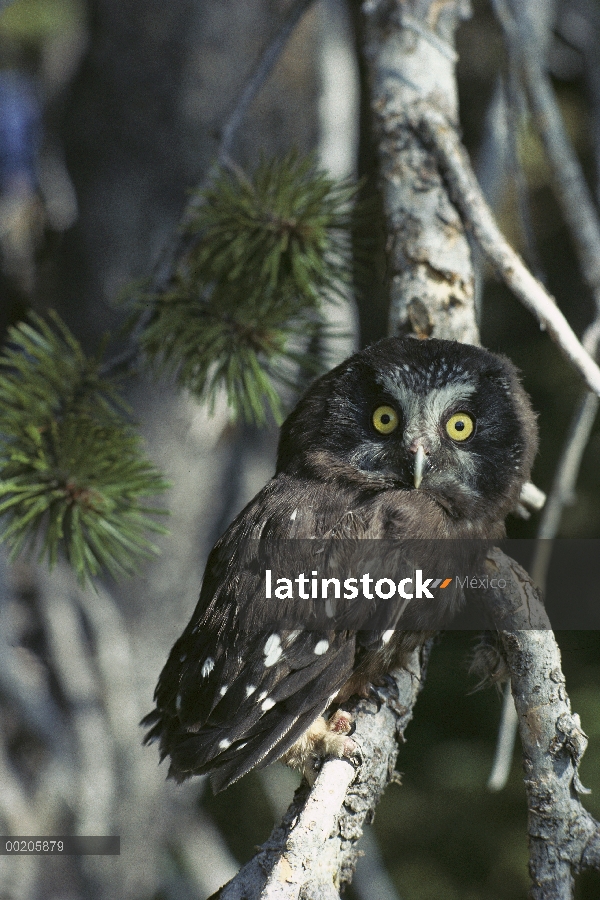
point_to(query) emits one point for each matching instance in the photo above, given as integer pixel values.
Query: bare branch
(507, 732)
(573, 194)
(563, 837)
(113, 659)
(437, 132)
(567, 470)
(262, 71)
(315, 847)
(96, 788)
(411, 59)
(579, 25)
(306, 840)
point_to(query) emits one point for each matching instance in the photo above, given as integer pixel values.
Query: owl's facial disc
(443, 418)
(425, 437)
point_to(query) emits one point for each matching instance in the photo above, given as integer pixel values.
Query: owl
(406, 440)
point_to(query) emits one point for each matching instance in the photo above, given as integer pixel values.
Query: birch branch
(527, 49)
(564, 839)
(567, 470)
(579, 26)
(526, 46)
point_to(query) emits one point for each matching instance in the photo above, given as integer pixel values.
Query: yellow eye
(460, 426)
(385, 419)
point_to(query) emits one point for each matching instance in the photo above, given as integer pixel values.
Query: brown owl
(407, 439)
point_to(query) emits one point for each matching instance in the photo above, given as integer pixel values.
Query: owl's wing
(232, 697)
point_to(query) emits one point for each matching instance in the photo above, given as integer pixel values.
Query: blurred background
(109, 113)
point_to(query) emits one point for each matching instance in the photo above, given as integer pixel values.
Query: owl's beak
(420, 460)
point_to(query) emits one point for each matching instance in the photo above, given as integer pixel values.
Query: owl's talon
(377, 696)
(390, 683)
(353, 753)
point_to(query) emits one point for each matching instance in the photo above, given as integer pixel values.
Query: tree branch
(564, 838)
(526, 46)
(166, 265)
(314, 850)
(411, 59)
(96, 788)
(438, 133)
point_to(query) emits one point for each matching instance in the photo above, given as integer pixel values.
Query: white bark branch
(439, 134)
(411, 59)
(314, 850)
(564, 838)
(96, 770)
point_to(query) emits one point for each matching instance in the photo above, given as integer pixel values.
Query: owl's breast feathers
(231, 697)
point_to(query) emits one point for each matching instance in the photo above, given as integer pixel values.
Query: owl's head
(445, 418)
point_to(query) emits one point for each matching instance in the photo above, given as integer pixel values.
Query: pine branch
(244, 309)
(72, 474)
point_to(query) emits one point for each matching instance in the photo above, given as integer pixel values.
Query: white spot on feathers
(387, 635)
(293, 515)
(224, 690)
(273, 641)
(262, 696)
(207, 667)
(267, 704)
(272, 650)
(321, 648)
(224, 744)
(250, 688)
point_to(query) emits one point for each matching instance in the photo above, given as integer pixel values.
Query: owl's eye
(460, 426)
(385, 419)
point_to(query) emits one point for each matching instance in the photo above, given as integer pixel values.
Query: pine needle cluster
(246, 307)
(72, 473)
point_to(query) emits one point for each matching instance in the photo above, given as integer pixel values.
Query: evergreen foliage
(72, 473)
(246, 307)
